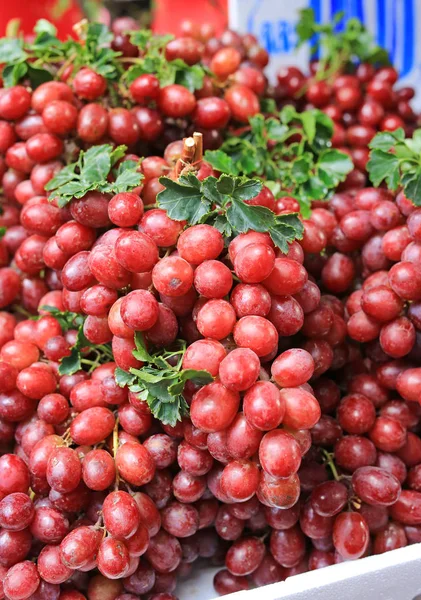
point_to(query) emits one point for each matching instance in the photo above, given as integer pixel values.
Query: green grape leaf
(220, 161)
(44, 26)
(123, 378)
(91, 172)
(67, 320)
(385, 140)
(12, 51)
(183, 200)
(333, 166)
(283, 229)
(383, 166)
(70, 364)
(141, 352)
(12, 74)
(161, 383)
(412, 187)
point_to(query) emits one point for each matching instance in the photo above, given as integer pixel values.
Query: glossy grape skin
(287, 546)
(329, 498)
(278, 493)
(142, 580)
(302, 410)
(376, 486)
(388, 434)
(350, 535)
(407, 509)
(180, 520)
(240, 369)
(314, 525)
(79, 546)
(352, 452)
(263, 406)
(292, 368)
(242, 101)
(256, 333)
(98, 470)
(113, 558)
(391, 538)
(356, 414)
(214, 407)
(226, 583)
(275, 444)
(21, 581)
(164, 552)
(49, 525)
(245, 556)
(149, 514)
(50, 566)
(16, 511)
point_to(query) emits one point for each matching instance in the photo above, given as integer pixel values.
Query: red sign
(168, 14)
(63, 13)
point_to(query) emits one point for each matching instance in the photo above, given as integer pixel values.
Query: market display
(210, 325)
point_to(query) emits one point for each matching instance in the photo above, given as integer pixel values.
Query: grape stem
(328, 459)
(191, 155)
(115, 448)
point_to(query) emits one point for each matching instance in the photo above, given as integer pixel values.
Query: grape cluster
(360, 104)
(304, 449)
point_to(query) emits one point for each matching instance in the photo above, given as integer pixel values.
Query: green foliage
(159, 383)
(39, 59)
(67, 320)
(74, 362)
(153, 61)
(339, 49)
(91, 172)
(291, 152)
(222, 203)
(397, 162)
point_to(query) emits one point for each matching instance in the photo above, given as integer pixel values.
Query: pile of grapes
(210, 326)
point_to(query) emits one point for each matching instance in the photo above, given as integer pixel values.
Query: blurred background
(394, 23)
(162, 15)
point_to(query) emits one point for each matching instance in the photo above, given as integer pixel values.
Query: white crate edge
(394, 575)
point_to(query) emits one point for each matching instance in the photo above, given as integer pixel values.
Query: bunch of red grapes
(360, 104)
(305, 449)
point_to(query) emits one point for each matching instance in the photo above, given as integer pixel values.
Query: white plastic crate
(395, 24)
(394, 575)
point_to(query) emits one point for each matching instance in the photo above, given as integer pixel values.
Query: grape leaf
(387, 139)
(183, 200)
(412, 187)
(340, 43)
(306, 169)
(123, 378)
(383, 166)
(38, 76)
(397, 162)
(161, 383)
(168, 412)
(283, 229)
(71, 364)
(44, 26)
(191, 200)
(12, 74)
(12, 51)
(141, 352)
(221, 161)
(67, 319)
(91, 172)
(333, 166)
